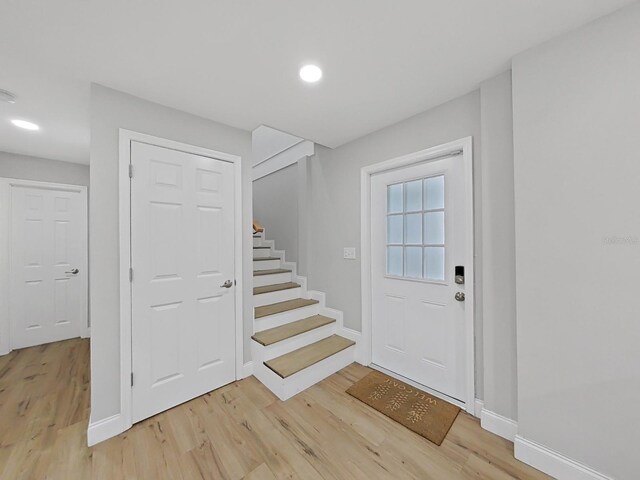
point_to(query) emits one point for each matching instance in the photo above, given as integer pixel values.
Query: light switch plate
(350, 253)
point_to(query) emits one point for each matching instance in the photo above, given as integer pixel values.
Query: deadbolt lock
(459, 274)
(459, 296)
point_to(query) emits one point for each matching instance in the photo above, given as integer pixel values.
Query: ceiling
(237, 61)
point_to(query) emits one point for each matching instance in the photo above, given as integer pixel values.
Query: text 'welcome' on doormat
(420, 412)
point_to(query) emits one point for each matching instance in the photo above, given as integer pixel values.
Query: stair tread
(265, 259)
(285, 306)
(288, 330)
(296, 361)
(274, 271)
(275, 288)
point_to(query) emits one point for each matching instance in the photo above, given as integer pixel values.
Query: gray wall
(577, 183)
(111, 110)
(333, 201)
(13, 165)
(498, 248)
(275, 206)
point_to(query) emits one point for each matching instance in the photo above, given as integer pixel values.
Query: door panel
(209, 342)
(182, 251)
(48, 240)
(418, 237)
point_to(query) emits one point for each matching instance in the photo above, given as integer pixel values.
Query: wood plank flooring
(241, 431)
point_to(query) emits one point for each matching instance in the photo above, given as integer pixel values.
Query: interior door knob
(75, 271)
(227, 284)
(459, 296)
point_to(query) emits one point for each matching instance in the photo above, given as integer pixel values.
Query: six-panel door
(48, 298)
(182, 252)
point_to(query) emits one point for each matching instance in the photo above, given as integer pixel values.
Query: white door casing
(414, 327)
(182, 252)
(45, 250)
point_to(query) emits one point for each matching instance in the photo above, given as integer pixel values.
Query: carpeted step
(275, 288)
(296, 361)
(275, 271)
(280, 307)
(288, 330)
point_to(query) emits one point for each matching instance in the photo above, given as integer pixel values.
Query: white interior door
(182, 254)
(417, 241)
(48, 272)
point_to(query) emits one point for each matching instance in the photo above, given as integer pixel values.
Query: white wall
(111, 110)
(577, 192)
(498, 248)
(267, 142)
(275, 206)
(13, 165)
(333, 201)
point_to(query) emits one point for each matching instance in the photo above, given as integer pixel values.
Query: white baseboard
(553, 463)
(356, 336)
(247, 370)
(478, 408)
(502, 426)
(104, 429)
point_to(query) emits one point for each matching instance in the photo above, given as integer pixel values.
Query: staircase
(296, 342)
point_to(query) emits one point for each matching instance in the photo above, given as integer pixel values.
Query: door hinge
(130, 275)
(132, 379)
(130, 170)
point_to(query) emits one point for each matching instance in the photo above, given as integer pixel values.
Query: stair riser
(261, 252)
(318, 372)
(266, 265)
(288, 387)
(257, 242)
(276, 297)
(294, 343)
(278, 319)
(264, 280)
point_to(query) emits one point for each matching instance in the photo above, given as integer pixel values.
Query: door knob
(227, 284)
(74, 271)
(459, 296)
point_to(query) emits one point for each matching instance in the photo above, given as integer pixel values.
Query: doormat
(420, 412)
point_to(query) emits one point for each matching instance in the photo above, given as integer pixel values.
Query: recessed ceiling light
(26, 125)
(310, 73)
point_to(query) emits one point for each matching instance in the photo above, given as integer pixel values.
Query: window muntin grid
(415, 246)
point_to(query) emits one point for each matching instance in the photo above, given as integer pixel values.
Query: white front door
(417, 241)
(48, 272)
(182, 253)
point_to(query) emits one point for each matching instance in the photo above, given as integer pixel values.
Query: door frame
(6, 184)
(463, 147)
(124, 195)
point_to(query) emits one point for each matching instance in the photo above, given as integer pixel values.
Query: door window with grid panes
(416, 229)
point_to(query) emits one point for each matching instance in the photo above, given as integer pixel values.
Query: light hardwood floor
(240, 431)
